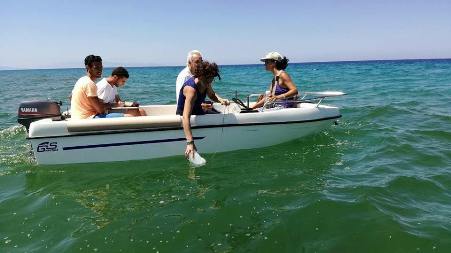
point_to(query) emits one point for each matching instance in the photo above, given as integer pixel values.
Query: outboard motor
(36, 110)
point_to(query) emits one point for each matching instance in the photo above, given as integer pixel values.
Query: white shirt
(183, 76)
(106, 91)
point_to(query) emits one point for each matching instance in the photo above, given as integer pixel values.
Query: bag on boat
(196, 160)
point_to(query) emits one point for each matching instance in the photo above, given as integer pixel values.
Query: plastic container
(196, 160)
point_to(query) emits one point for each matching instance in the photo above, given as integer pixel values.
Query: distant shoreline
(243, 64)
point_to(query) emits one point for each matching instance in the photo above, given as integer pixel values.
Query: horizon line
(6, 68)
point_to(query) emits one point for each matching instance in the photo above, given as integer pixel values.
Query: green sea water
(378, 182)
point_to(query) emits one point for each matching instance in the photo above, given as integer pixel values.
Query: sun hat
(272, 56)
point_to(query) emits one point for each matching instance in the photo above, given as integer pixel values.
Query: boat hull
(218, 133)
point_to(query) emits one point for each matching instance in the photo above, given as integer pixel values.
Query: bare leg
(260, 102)
(132, 113)
(142, 112)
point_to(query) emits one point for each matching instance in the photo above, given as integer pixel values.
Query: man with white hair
(194, 58)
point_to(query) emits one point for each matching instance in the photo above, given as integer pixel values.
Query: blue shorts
(109, 115)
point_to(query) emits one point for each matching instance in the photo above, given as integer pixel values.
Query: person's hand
(189, 151)
(225, 102)
(206, 106)
(272, 98)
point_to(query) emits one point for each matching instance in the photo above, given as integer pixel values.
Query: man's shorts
(109, 115)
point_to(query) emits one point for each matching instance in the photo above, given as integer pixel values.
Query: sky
(61, 33)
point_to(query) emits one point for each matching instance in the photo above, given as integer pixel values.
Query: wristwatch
(190, 142)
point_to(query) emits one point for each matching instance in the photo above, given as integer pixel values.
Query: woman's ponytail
(282, 64)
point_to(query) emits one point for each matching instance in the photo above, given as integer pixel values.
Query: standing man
(192, 61)
(107, 92)
(84, 102)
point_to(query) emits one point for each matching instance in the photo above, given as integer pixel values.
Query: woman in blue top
(192, 96)
(282, 87)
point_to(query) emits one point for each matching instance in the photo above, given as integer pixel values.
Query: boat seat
(88, 125)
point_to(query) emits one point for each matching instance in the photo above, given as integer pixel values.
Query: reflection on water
(192, 173)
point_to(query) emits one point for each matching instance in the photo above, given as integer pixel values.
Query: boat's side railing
(321, 95)
(308, 97)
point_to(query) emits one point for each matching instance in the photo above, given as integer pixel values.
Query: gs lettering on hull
(47, 146)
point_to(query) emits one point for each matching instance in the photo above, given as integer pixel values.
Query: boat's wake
(14, 149)
(11, 131)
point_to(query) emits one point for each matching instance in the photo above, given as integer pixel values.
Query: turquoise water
(378, 182)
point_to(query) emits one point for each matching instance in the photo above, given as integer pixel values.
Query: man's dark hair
(120, 72)
(282, 64)
(207, 69)
(90, 59)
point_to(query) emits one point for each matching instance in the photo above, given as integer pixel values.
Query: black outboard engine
(37, 110)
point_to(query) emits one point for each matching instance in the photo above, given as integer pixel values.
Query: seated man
(193, 60)
(107, 92)
(84, 101)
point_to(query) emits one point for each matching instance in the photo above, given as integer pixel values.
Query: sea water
(378, 182)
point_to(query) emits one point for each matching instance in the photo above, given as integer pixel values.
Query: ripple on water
(418, 204)
(376, 182)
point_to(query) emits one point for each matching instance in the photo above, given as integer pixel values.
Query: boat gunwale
(134, 130)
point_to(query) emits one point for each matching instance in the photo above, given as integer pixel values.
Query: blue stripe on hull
(126, 143)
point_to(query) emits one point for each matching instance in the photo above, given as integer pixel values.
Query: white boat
(60, 141)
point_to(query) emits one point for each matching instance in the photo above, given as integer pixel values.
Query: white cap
(272, 56)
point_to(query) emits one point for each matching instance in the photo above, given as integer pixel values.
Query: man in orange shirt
(84, 102)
